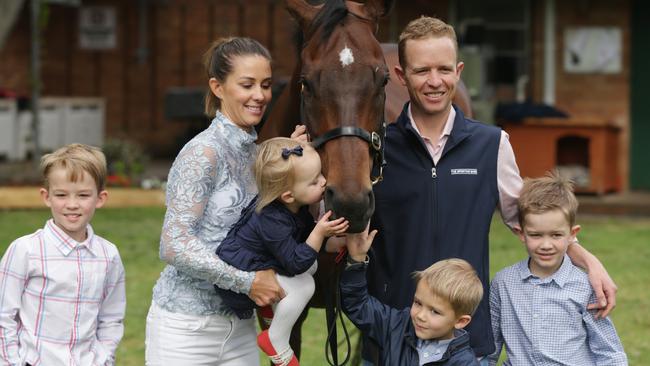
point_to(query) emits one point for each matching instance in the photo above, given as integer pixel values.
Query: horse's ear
(379, 8)
(303, 12)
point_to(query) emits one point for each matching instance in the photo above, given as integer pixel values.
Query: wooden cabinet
(543, 144)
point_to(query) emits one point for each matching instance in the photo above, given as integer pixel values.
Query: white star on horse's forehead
(346, 56)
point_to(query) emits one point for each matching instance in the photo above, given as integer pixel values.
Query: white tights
(299, 289)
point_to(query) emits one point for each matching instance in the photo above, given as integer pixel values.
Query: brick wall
(590, 96)
(177, 34)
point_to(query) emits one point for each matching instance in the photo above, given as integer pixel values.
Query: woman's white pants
(174, 339)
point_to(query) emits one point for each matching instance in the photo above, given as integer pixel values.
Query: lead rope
(332, 356)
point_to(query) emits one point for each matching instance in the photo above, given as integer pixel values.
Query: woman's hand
(300, 134)
(265, 289)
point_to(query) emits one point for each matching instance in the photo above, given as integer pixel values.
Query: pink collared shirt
(508, 180)
(62, 302)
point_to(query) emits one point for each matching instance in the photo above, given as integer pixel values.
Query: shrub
(126, 162)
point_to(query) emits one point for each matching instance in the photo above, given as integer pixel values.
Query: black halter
(376, 140)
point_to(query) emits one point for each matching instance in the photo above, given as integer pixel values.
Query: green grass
(621, 244)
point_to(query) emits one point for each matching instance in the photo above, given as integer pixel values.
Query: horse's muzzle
(356, 208)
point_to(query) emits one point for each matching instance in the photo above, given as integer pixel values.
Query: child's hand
(329, 228)
(359, 244)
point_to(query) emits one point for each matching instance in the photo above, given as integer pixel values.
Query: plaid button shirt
(62, 302)
(544, 321)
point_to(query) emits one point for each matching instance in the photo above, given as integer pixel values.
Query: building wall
(135, 76)
(178, 31)
(134, 79)
(591, 96)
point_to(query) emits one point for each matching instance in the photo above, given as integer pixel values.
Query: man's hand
(603, 285)
(265, 289)
(605, 290)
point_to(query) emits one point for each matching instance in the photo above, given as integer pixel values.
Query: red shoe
(266, 313)
(265, 344)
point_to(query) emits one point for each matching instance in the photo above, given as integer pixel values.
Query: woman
(209, 184)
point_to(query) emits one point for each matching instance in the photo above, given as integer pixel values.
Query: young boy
(62, 296)
(431, 331)
(539, 305)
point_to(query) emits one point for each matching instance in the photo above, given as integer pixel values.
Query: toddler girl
(271, 234)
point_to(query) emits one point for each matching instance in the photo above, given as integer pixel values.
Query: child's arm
(13, 279)
(295, 257)
(325, 228)
(110, 320)
(372, 317)
(604, 343)
(495, 313)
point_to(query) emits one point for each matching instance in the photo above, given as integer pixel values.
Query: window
(493, 37)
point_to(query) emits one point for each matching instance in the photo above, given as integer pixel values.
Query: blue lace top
(209, 184)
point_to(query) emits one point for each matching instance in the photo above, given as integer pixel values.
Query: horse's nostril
(329, 194)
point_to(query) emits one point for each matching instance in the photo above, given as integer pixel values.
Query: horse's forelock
(329, 16)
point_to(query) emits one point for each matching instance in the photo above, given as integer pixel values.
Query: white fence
(61, 121)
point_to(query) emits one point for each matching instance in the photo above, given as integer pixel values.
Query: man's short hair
(421, 28)
(76, 159)
(547, 193)
(456, 281)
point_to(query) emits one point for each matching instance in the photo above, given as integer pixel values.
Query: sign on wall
(97, 28)
(593, 50)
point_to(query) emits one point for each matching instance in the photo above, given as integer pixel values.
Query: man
(444, 177)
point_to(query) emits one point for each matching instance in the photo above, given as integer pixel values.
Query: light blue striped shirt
(546, 322)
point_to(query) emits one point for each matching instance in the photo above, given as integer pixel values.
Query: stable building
(562, 77)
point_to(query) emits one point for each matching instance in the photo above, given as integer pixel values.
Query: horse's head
(343, 74)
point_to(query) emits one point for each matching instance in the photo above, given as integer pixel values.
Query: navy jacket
(426, 212)
(392, 329)
(271, 239)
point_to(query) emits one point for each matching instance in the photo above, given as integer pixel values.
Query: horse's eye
(386, 78)
(305, 86)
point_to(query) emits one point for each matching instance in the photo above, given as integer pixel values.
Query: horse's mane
(329, 16)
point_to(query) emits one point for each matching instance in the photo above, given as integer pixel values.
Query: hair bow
(287, 152)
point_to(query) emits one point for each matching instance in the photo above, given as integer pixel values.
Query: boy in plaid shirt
(62, 297)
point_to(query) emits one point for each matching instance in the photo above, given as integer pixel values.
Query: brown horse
(338, 92)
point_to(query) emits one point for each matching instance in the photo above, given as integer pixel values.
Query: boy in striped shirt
(62, 297)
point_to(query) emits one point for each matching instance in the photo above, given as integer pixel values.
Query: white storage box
(84, 121)
(8, 129)
(62, 121)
